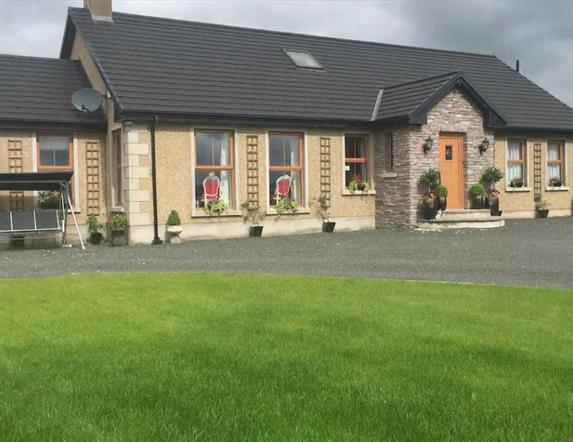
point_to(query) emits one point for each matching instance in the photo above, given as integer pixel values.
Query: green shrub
(174, 219)
(477, 190)
(285, 205)
(441, 191)
(252, 215)
(541, 204)
(215, 207)
(430, 179)
(119, 222)
(491, 176)
(94, 226)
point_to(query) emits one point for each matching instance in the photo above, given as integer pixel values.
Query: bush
(441, 191)
(477, 190)
(174, 219)
(119, 222)
(252, 215)
(285, 205)
(491, 176)
(516, 182)
(555, 182)
(430, 179)
(541, 204)
(215, 207)
(94, 226)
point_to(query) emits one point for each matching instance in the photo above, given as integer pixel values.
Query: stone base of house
(287, 225)
(527, 214)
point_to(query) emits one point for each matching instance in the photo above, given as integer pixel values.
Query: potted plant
(94, 229)
(118, 230)
(489, 178)
(286, 205)
(555, 182)
(476, 193)
(323, 212)
(541, 207)
(442, 196)
(429, 181)
(254, 217)
(493, 201)
(516, 182)
(49, 200)
(214, 207)
(356, 184)
(174, 227)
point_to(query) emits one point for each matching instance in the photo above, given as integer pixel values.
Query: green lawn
(245, 357)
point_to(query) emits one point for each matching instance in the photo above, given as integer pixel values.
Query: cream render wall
(520, 203)
(175, 162)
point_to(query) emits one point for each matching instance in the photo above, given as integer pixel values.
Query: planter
(442, 203)
(493, 204)
(477, 202)
(429, 208)
(95, 238)
(543, 213)
(50, 206)
(174, 232)
(328, 226)
(255, 231)
(118, 238)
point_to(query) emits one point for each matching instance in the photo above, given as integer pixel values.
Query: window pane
(361, 147)
(54, 151)
(225, 179)
(303, 59)
(554, 152)
(284, 150)
(349, 147)
(514, 171)
(213, 148)
(295, 187)
(355, 171)
(514, 151)
(554, 171)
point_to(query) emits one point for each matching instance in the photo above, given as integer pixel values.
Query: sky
(539, 34)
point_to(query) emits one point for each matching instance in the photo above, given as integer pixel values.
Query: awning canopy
(35, 181)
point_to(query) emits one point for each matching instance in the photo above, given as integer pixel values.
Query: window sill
(518, 189)
(117, 209)
(347, 192)
(557, 189)
(226, 214)
(299, 211)
(388, 175)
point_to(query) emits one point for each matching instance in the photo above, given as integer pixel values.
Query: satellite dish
(87, 100)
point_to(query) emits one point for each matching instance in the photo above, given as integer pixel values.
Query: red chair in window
(211, 188)
(283, 185)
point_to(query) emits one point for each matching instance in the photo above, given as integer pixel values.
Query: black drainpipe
(156, 239)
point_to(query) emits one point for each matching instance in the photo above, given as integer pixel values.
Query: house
(185, 101)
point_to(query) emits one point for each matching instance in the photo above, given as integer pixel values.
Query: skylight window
(303, 59)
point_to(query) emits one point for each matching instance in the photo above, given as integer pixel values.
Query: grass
(179, 357)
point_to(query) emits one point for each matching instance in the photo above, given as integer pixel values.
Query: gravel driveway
(528, 252)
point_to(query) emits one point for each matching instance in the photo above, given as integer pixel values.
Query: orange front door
(452, 168)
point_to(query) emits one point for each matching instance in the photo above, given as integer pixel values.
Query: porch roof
(34, 181)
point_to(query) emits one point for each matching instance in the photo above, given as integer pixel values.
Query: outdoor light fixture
(428, 144)
(484, 146)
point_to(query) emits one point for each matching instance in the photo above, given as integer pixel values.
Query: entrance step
(462, 219)
(464, 215)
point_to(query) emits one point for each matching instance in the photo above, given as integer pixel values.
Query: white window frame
(526, 177)
(564, 177)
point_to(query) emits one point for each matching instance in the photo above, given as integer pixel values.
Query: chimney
(99, 9)
(517, 65)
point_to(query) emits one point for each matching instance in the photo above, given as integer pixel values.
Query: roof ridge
(321, 37)
(445, 74)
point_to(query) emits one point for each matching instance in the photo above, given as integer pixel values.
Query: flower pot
(95, 238)
(118, 238)
(477, 202)
(543, 213)
(255, 231)
(328, 226)
(442, 203)
(493, 204)
(429, 208)
(174, 232)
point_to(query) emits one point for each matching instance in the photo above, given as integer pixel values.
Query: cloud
(540, 34)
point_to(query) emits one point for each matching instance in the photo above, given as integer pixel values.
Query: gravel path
(527, 252)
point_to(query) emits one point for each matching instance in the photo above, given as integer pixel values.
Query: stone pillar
(137, 183)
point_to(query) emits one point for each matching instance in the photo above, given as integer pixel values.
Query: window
(303, 59)
(555, 163)
(117, 168)
(389, 157)
(516, 163)
(356, 161)
(214, 157)
(55, 152)
(286, 159)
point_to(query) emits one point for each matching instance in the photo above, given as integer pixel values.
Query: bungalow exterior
(354, 122)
